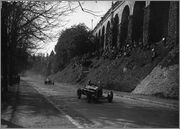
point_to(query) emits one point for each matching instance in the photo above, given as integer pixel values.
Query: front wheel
(88, 98)
(79, 93)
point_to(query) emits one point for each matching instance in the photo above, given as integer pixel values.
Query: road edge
(74, 122)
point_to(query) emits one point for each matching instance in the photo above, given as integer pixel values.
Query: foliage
(74, 41)
(39, 63)
(24, 25)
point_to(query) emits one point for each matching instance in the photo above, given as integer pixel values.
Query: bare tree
(24, 25)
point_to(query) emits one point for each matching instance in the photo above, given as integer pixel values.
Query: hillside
(136, 73)
(163, 81)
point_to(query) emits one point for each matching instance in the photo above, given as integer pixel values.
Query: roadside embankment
(136, 73)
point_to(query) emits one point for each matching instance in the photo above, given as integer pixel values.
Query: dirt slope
(163, 81)
(128, 72)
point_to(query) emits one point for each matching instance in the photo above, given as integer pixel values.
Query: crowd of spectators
(112, 52)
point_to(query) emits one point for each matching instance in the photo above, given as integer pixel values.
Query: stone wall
(148, 31)
(173, 23)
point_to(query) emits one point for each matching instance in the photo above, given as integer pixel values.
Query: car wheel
(110, 96)
(88, 98)
(79, 93)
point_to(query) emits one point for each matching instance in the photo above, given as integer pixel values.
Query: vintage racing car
(14, 79)
(48, 81)
(94, 92)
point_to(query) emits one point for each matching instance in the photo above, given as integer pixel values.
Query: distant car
(14, 79)
(18, 79)
(94, 92)
(49, 81)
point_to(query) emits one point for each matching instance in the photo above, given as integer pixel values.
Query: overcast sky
(100, 7)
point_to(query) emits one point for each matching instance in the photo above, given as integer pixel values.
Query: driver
(89, 82)
(47, 79)
(99, 84)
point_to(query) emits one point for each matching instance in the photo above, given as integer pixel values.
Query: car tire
(110, 96)
(88, 98)
(79, 93)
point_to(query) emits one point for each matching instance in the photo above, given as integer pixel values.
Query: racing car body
(48, 81)
(94, 92)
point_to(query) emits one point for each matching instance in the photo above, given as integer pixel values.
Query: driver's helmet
(99, 82)
(47, 79)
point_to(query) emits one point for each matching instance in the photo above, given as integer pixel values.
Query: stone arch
(99, 43)
(115, 30)
(138, 18)
(124, 25)
(158, 24)
(96, 38)
(108, 29)
(102, 40)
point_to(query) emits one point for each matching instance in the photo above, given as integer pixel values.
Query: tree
(74, 41)
(25, 24)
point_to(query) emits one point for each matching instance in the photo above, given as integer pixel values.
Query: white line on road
(74, 122)
(67, 116)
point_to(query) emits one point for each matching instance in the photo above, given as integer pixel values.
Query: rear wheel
(110, 96)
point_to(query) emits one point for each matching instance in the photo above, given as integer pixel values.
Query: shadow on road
(11, 101)
(24, 101)
(9, 124)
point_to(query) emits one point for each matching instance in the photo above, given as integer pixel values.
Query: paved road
(27, 108)
(79, 113)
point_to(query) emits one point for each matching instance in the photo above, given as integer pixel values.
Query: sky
(78, 16)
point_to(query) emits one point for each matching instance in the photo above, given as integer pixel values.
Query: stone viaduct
(139, 21)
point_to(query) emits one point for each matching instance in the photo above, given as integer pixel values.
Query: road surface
(42, 105)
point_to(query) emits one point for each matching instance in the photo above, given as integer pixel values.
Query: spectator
(164, 41)
(153, 53)
(89, 82)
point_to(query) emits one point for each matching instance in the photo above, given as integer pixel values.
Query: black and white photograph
(89, 64)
